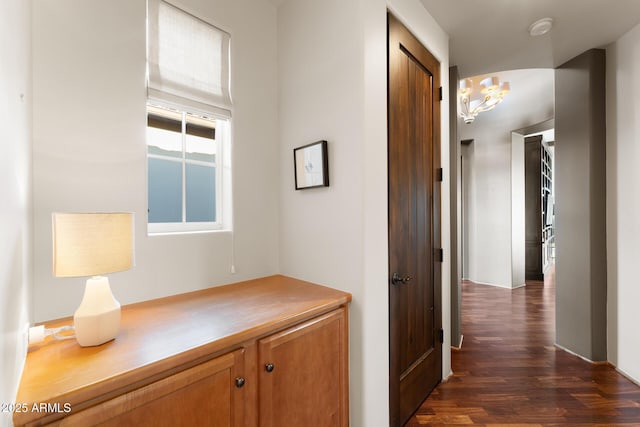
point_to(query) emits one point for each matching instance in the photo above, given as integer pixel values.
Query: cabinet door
(204, 395)
(303, 377)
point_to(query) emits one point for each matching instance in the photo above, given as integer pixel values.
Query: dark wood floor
(508, 371)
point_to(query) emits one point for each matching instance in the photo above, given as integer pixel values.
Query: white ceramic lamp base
(97, 320)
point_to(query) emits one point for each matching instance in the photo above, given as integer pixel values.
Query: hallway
(509, 372)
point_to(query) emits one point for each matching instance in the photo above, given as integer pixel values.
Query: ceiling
(277, 3)
(492, 35)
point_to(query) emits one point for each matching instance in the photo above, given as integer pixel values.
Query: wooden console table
(265, 352)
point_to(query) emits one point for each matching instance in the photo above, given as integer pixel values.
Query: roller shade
(172, 121)
(188, 60)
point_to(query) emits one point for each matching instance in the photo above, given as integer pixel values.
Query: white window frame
(222, 165)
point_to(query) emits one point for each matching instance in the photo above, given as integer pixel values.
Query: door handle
(397, 280)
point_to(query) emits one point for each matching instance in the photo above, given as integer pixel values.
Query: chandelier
(491, 94)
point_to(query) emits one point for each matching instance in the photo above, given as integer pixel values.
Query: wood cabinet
(204, 395)
(267, 352)
(305, 364)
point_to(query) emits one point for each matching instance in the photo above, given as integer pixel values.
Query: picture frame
(311, 165)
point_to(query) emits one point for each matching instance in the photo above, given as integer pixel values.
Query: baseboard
(459, 347)
(593, 362)
(494, 285)
(627, 376)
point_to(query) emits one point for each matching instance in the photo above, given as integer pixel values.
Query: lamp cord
(39, 333)
(57, 333)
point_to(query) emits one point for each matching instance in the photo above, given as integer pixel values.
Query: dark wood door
(414, 222)
(533, 208)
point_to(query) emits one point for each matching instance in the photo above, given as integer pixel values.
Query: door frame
(394, 374)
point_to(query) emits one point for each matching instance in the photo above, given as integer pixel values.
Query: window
(184, 170)
(188, 122)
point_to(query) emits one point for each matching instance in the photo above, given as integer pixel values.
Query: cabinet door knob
(269, 367)
(239, 382)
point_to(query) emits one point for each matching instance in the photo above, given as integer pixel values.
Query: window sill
(180, 233)
(172, 229)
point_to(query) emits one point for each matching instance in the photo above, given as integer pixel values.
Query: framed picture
(311, 165)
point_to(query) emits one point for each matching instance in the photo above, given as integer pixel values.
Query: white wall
(623, 202)
(15, 175)
(90, 155)
(489, 228)
(517, 211)
(466, 206)
(332, 85)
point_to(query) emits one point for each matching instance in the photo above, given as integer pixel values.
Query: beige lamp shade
(91, 244)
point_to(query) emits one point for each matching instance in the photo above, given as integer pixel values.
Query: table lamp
(92, 244)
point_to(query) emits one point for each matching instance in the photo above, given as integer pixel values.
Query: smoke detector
(541, 27)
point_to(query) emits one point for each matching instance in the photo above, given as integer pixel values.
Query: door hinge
(439, 255)
(440, 93)
(441, 336)
(440, 174)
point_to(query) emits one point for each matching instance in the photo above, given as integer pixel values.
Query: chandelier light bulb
(465, 86)
(492, 92)
(489, 85)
